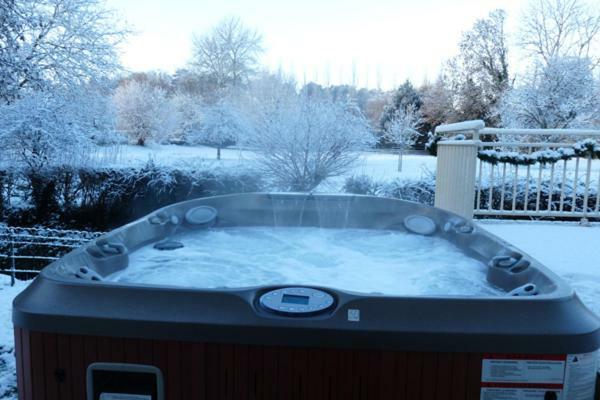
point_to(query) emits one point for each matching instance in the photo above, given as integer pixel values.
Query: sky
(384, 41)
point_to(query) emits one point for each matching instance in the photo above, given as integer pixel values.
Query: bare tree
(401, 129)
(561, 28)
(228, 53)
(48, 42)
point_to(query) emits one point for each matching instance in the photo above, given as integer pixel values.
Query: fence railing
(25, 251)
(523, 172)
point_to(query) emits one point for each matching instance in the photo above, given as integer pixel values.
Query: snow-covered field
(378, 165)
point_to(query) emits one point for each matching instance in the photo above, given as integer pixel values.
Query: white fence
(25, 251)
(519, 172)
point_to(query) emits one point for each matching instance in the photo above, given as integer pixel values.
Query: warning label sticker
(520, 394)
(580, 376)
(543, 377)
(534, 369)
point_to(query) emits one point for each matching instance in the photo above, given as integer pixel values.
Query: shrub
(101, 199)
(360, 184)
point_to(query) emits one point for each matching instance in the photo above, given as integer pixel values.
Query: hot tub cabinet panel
(52, 367)
(80, 336)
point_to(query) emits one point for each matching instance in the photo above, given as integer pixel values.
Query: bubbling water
(359, 260)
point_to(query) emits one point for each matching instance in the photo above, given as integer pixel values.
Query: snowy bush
(302, 140)
(49, 128)
(144, 112)
(360, 184)
(549, 194)
(417, 190)
(420, 191)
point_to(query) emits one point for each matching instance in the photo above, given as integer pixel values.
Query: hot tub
(299, 296)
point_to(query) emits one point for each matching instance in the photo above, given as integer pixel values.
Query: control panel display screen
(294, 299)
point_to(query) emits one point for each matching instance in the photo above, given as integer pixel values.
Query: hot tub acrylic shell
(222, 343)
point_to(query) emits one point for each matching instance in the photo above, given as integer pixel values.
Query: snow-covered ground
(7, 360)
(568, 249)
(378, 165)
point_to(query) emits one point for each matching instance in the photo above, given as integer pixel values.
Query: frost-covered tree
(437, 104)
(188, 109)
(144, 112)
(560, 94)
(45, 43)
(222, 125)
(479, 73)
(93, 108)
(228, 53)
(406, 100)
(192, 83)
(302, 140)
(552, 29)
(48, 128)
(401, 130)
(405, 97)
(157, 79)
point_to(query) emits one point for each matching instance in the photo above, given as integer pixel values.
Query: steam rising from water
(388, 262)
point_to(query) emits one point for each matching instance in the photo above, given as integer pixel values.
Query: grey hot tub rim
(555, 321)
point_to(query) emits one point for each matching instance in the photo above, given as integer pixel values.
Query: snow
(378, 165)
(568, 249)
(7, 360)
(367, 261)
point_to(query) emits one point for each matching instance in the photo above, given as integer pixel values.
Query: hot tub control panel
(296, 301)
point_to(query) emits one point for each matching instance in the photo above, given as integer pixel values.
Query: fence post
(13, 269)
(456, 174)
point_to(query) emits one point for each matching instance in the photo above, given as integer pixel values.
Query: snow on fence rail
(25, 251)
(522, 172)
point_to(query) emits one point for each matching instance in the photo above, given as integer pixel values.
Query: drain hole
(528, 289)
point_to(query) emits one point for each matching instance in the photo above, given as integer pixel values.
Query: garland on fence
(584, 149)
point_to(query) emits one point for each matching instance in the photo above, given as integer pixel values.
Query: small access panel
(297, 301)
(115, 381)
